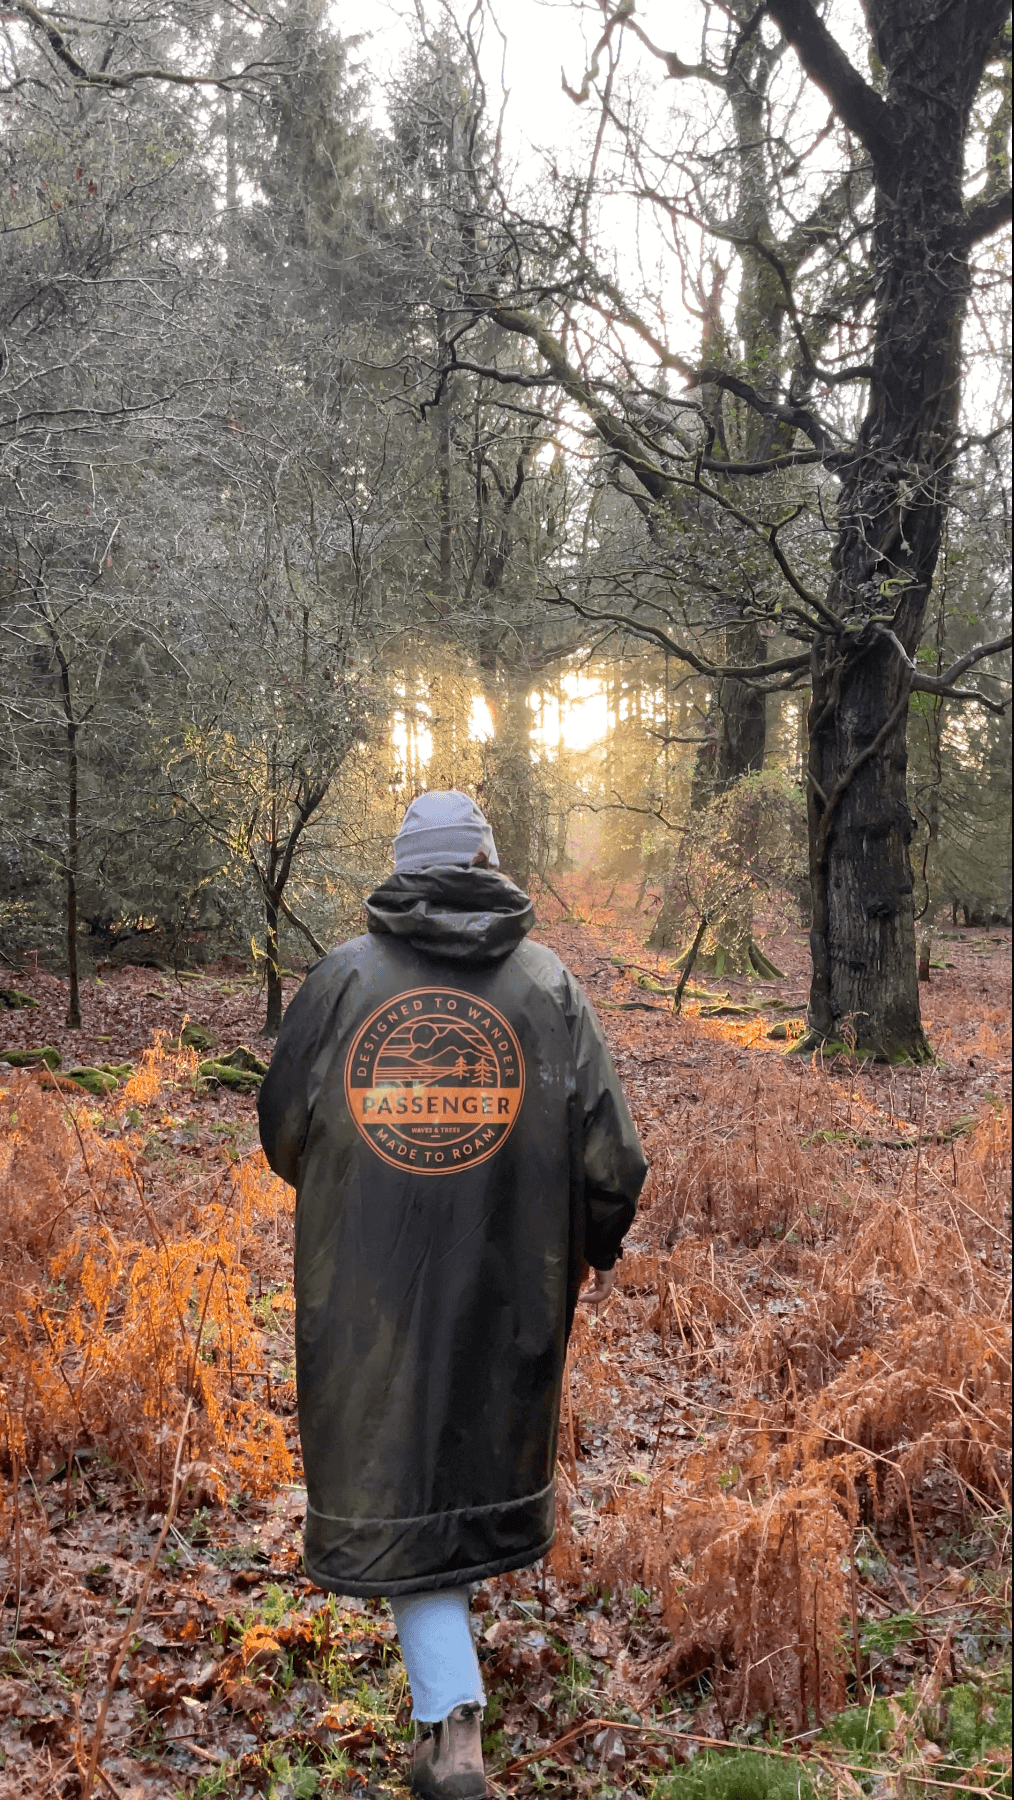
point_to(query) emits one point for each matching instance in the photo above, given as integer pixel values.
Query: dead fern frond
(858, 1347)
(118, 1313)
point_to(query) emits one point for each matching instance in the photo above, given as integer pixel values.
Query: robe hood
(465, 915)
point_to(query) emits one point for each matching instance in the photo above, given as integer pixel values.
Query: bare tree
(894, 317)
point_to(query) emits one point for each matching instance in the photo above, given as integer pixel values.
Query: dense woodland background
(350, 445)
(329, 411)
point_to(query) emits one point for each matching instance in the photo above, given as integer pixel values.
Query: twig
(915, 1544)
(192, 1376)
(107, 1781)
(885, 1559)
(712, 1743)
(999, 1229)
(16, 1483)
(856, 1648)
(568, 911)
(571, 1434)
(569, 1737)
(89, 1774)
(625, 1730)
(661, 1418)
(677, 999)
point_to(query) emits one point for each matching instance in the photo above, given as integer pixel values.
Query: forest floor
(783, 1562)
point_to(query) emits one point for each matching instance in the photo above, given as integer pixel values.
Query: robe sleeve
(291, 1085)
(614, 1164)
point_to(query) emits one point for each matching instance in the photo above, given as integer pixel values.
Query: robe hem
(428, 1584)
(452, 1512)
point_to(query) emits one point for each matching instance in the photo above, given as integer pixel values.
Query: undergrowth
(802, 1387)
(906, 1744)
(124, 1299)
(842, 1345)
(737, 1775)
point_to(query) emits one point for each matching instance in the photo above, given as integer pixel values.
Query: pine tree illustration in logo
(434, 1080)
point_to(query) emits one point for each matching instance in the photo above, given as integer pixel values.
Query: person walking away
(442, 1100)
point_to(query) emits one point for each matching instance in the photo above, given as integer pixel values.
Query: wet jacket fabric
(441, 1098)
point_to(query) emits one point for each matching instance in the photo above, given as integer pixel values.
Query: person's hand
(602, 1283)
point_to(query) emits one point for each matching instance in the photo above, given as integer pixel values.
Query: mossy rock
(787, 1028)
(94, 1081)
(245, 1058)
(812, 1044)
(962, 1127)
(30, 1059)
(211, 1075)
(654, 987)
(122, 1071)
(198, 1037)
(13, 999)
(729, 1009)
(233, 1072)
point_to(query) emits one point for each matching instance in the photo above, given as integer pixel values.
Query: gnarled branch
(858, 106)
(988, 216)
(944, 683)
(753, 674)
(85, 77)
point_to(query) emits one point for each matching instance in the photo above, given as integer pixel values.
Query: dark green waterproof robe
(441, 1098)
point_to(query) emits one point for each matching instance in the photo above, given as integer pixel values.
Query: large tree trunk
(73, 844)
(760, 317)
(741, 742)
(74, 997)
(506, 789)
(735, 739)
(733, 747)
(445, 490)
(735, 742)
(865, 991)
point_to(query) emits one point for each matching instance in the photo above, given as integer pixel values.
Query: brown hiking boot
(447, 1763)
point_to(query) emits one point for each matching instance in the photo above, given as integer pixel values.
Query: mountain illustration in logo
(434, 1080)
(437, 1051)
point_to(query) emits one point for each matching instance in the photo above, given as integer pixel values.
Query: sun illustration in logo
(434, 1080)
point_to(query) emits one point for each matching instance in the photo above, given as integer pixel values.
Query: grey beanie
(442, 830)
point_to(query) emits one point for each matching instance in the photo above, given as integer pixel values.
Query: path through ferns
(784, 1452)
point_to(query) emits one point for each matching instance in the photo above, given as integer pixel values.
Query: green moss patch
(94, 1081)
(242, 1070)
(45, 1057)
(737, 1775)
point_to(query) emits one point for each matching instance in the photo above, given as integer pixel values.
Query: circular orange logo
(434, 1080)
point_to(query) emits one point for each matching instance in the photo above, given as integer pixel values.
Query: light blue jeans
(438, 1652)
